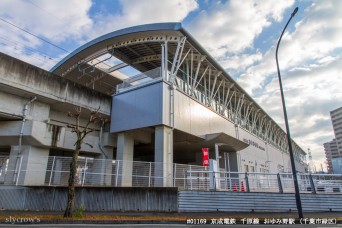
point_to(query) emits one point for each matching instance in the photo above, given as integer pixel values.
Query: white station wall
(196, 119)
(152, 106)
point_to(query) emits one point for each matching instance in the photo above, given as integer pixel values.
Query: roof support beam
(227, 95)
(212, 89)
(196, 74)
(177, 59)
(218, 88)
(199, 80)
(205, 88)
(116, 67)
(97, 62)
(238, 108)
(166, 61)
(147, 58)
(254, 120)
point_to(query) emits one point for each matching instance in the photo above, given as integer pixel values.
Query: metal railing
(54, 171)
(140, 79)
(263, 182)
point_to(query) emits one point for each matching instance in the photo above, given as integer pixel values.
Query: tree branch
(89, 145)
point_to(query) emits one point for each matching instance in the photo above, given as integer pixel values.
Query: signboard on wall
(205, 159)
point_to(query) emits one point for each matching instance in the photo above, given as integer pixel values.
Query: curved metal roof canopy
(168, 49)
(139, 47)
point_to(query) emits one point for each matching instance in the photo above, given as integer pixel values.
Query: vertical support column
(51, 171)
(125, 152)
(166, 61)
(84, 171)
(13, 166)
(33, 165)
(247, 182)
(102, 169)
(57, 176)
(214, 175)
(280, 184)
(36, 165)
(163, 156)
(163, 73)
(236, 126)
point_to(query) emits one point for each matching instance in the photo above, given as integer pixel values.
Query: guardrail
(263, 182)
(54, 171)
(139, 79)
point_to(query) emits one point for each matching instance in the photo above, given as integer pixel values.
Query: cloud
(232, 26)
(67, 22)
(55, 20)
(24, 47)
(310, 95)
(310, 53)
(310, 60)
(315, 37)
(137, 12)
(240, 62)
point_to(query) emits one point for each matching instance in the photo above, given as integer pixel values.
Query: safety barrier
(263, 182)
(54, 171)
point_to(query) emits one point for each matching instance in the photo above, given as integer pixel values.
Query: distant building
(336, 119)
(337, 165)
(331, 152)
(333, 149)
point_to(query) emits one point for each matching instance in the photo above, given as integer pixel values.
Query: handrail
(54, 171)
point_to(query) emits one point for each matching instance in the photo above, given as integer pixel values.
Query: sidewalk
(52, 217)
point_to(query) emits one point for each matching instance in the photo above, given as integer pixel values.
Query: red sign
(205, 159)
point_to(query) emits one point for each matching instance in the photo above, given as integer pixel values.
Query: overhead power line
(2, 19)
(18, 43)
(34, 35)
(46, 11)
(18, 55)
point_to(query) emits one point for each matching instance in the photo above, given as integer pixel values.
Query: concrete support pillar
(29, 168)
(163, 156)
(102, 169)
(229, 161)
(13, 165)
(125, 150)
(58, 172)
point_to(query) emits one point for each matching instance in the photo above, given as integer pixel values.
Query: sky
(240, 35)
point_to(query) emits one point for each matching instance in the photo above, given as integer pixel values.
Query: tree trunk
(71, 187)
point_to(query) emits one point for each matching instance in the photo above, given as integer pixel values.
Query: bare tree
(81, 133)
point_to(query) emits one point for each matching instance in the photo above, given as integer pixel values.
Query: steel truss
(194, 75)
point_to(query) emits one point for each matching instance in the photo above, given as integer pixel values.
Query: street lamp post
(294, 172)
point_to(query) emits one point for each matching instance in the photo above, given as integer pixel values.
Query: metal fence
(263, 182)
(54, 171)
(140, 79)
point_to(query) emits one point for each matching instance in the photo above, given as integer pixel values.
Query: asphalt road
(239, 217)
(164, 225)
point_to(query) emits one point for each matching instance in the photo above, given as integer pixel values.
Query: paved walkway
(149, 219)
